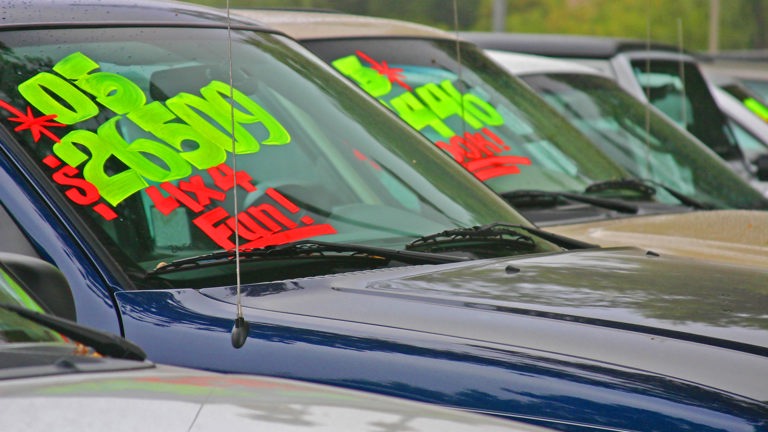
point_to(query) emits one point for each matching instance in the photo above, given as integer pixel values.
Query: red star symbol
(394, 75)
(36, 125)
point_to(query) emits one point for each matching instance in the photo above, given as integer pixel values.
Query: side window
(750, 145)
(12, 239)
(680, 91)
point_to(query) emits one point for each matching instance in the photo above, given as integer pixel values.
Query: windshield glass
(617, 122)
(678, 90)
(752, 101)
(488, 121)
(760, 87)
(131, 126)
(13, 328)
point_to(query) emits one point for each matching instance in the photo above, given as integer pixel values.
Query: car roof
(559, 45)
(84, 13)
(528, 64)
(308, 25)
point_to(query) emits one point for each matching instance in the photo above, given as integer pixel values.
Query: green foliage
(741, 21)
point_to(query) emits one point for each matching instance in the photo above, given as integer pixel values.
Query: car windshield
(129, 126)
(679, 90)
(661, 152)
(488, 121)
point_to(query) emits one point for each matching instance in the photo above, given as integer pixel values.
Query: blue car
(57, 372)
(220, 197)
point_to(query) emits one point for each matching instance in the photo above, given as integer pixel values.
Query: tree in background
(742, 22)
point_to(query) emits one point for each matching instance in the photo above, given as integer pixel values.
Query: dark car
(361, 255)
(662, 74)
(58, 375)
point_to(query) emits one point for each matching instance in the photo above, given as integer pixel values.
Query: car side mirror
(43, 282)
(761, 163)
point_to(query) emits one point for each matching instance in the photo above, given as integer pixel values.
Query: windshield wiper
(106, 344)
(525, 198)
(306, 248)
(507, 235)
(647, 188)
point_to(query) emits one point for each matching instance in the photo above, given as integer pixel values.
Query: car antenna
(681, 66)
(459, 71)
(240, 328)
(647, 173)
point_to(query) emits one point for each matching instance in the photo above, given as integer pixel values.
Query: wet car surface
(57, 374)
(364, 257)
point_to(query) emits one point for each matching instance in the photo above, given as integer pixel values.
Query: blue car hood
(692, 320)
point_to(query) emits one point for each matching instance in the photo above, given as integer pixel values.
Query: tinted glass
(760, 87)
(752, 101)
(680, 92)
(487, 120)
(13, 328)
(131, 126)
(659, 151)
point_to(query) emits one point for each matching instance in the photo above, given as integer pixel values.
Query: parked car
(549, 187)
(361, 255)
(737, 89)
(58, 375)
(750, 67)
(746, 110)
(750, 131)
(648, 145)
(662, 74)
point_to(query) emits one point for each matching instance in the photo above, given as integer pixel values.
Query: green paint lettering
(144, 155)
(246, 111)
(418, 115)
(161, 122)
(113, 188)
(40, 90)
(367, 78)
(757, 108)
(443, 104)
(476, 112)
(113, 91)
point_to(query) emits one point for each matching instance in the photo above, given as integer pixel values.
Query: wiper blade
(496, 234)
(508, 234)
(522, 197)
(627, 184)
(646, 187)
(307, 248)
(106, 344)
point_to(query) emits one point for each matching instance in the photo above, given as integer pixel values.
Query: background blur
(702, 25)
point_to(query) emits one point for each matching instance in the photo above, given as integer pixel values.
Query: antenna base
(240, 332)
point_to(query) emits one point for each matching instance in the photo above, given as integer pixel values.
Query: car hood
(731, 236)
(624, 307)
(175, 399)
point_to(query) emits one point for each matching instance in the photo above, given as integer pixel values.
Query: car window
(12, 239)
(752, 101)
(488, 121)
(131, 126)
(750, 144)
(13, 328)
(760, 87)
(642, 141)
(679, 91)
